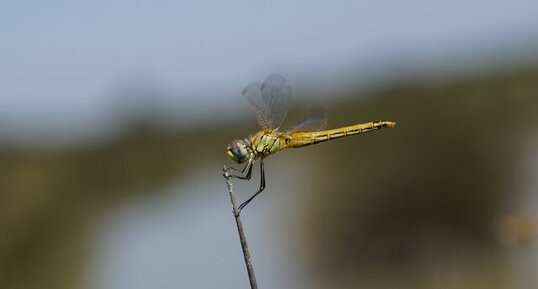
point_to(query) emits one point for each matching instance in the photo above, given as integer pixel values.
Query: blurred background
(115, 115)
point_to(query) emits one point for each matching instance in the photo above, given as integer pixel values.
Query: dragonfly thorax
(268, 142)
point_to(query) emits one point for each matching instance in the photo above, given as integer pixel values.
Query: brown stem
(244, 246)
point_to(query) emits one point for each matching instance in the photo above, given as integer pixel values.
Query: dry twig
(244, 246)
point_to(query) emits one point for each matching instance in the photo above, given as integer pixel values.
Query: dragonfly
(271, 100)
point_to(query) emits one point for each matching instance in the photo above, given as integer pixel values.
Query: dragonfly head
(238, 151)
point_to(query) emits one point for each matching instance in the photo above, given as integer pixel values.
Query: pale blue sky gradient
(62, 61)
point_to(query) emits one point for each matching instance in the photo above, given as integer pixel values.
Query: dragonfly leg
(247, 167)
(262, 187)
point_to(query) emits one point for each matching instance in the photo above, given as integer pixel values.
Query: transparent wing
(253, 94)
(270, 100)
(276, 94)
(315, 122)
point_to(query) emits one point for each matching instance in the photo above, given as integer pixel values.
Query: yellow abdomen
(300, 139)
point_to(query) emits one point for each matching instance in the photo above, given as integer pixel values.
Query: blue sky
(61, 61)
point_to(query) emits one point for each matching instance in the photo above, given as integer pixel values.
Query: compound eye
(238, 151)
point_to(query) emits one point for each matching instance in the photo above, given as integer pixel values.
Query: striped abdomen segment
(299, 139)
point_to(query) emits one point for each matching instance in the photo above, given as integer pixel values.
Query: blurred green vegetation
(380, 204)
(429, 192)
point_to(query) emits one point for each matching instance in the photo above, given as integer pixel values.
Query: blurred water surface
(186, 237)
